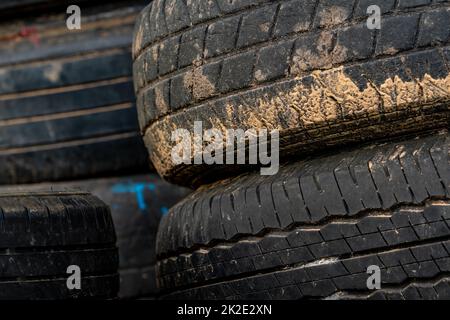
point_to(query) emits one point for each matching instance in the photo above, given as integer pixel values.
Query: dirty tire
(312, 230)
(44, 232)
(67, 106)
(311, 69)
(137, 203)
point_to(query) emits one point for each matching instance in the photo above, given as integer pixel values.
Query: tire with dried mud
(311, 69)
(45, 232)
(313, 230)
(67, 106)
(137, 203)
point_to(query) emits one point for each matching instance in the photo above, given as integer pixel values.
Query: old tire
(137, 204)
(313, 230)
(313, 70)
(43, 233)
(67, 105)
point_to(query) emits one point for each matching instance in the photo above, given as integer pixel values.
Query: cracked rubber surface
(312, 230)
(137, 204)
(44, 232)
(67, 106)
(311, 69)
(436, 289)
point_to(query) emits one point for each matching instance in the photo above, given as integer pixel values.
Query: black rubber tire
(135, 219)
(309, 68)
(43, 233)
(312, 230)
(67, 106)
(136, 222)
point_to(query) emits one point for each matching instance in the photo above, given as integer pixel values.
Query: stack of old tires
(363, 117)
(68, 122)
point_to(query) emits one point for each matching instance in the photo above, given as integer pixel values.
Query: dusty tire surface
(137, 203)
(44, 232)
(67, 106)
(311, 69)
(312, 230)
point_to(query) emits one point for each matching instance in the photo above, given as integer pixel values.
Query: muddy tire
(311, 69)
(137, 204)
(313, 230)
(67, 106)
(43, 233)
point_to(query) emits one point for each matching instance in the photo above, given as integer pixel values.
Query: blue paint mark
(138, 188)
(164, 211)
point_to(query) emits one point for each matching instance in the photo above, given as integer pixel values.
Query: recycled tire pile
(363, 118)
(93, 205)
(67, 112)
